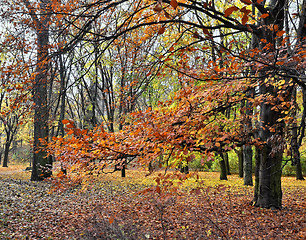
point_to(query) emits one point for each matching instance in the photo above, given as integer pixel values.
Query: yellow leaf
(282, 82)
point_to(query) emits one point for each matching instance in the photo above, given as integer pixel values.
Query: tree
(41, 167)
(193, 119)
(14, 102)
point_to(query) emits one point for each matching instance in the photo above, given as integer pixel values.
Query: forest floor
(111, 208)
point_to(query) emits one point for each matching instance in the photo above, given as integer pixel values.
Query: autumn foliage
(155, 85)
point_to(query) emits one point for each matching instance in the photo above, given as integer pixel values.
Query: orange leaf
(70, 125)
(265, 15)
(158, 189)
(260, 1)
(247, 2)
(111, 219)
(174, 4)
(161, 30)
(280, 33)
(65, 121)
(230, 10)
(70, 132)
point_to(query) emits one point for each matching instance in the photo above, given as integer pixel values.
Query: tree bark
(223, 175)
(228, 170)
(268, 192)
(6, 149)
(240, 161)
(247, 149)
(247, 165)
(295, 152)
(42, 165)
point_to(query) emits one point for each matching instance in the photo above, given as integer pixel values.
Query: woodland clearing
(110, 208)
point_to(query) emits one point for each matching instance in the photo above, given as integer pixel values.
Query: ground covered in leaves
(110, 208)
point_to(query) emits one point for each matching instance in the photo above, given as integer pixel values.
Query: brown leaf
(230, 10)
(247, 2)
(174, 4)
(245, 18)
(158, 8)
(161, 30)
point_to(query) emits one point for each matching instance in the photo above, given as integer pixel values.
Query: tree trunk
(228, 171)
(295, 152)
(123, 169)
(42, 165)
(184, 169)
(299, 174)
(6, 150)
(61, 129)
(298, 171)
(257, 163)
(247, 165)
(223, 175)
(301, 36)
(240, 161)
(268, 192)
(247, 149)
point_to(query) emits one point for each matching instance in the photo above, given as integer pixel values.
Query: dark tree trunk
(123, 169)
(6, 149)
(247, 165)
(61, 130)
(185, 169)
(295, 152)
(268, 192)
(247, 149)
(42, 165)
(228, 171)
(302, 39)
(240, 161)
(223, 175)
(257, 162)
(299, 173)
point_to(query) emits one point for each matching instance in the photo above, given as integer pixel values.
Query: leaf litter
(110, 208)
